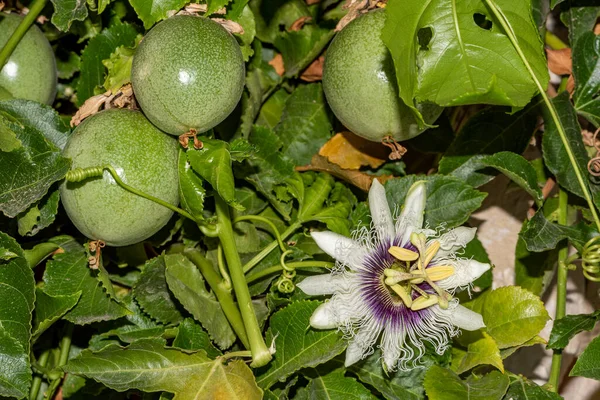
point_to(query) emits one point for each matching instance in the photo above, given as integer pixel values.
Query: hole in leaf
(424, 36)
(482, 21)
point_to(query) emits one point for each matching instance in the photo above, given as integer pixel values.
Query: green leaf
(248, 198)
(190, 336)
(191, 191)
(67, 11)
(337, 210)
(317, 189)
(66, 67)
(481, 351)
(15, 372)
(8, 138)
(588, 363)
(214, 5)
(580, 20)
(240, 150)
(304, 125)
(187, 284)
(507, 352)
(118, 66)
(298, 346)
(152, 293)
(488, 132)
(6, 254)
(272, 109)
(333, 386)
(39, 216)
(540, 234)
(565, 328)
(99, 48)
(449, 200)
(533, 270)
(148, 366)
(49, 309)
(586, 71)
(524, 389)
(213, 163)
(152, 11)
(443, 384)
(442, 55)
(17, 291)
(512, 315)
(94, 304)
(300, 48)
(273, 15)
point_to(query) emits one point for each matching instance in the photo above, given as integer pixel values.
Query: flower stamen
(403, 254)
(440, 272)
(403, 293)
(423, 302)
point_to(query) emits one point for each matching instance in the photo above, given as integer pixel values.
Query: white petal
(361, 345)
(324, 317)
(380, 211)
(464, 318)
(340, 247)
(319, 285)
(411, 218)
(454, 240)
(392, 344)
(465, 272)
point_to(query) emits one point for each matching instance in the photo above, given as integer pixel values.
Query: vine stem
(258, 218)
(36, 8)
(553, 113)
(260, 352)
(561, 289)
(270, 247)
(37, 380)
(63, 357)
(223, 295)
(292, 265)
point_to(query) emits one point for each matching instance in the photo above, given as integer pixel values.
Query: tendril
(590, 259)
(81, 174)
(594, 164)
(285, 283)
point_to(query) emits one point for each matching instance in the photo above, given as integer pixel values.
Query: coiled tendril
(285, 283)
(81, 174)
(590, 259)
(594, 164)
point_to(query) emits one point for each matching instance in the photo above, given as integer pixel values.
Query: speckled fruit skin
(188, 73)
(359, 81)
(144, 157)
(30, 72)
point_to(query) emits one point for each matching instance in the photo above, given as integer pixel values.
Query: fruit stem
(223, 295)
(292, 265)
(36, 8)
(260, 353)
(270, 247)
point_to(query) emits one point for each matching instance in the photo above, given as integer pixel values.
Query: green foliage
(67, 11)
(565, 328)
(49, 309)
(152, 11)
(118, 66)
(443, 384)
(333, 386)
(588, 363)
(523, 389)
(190, 336)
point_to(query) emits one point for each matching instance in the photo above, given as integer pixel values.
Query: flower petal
(319, 285)
(464, 318)
(361, 345)
(342, 248)
(411, 217)
(324, 317)
(454, 240)
(380, 211)
(465, 272)
(392, 346)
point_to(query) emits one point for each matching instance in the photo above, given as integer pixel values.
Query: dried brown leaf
(355, 8)
(559, 61)
(231, 26)
(311, 2)
(314, 72)
(277, 64)
(352, 152)
(299, 23)
(123, 98)
(597, 29)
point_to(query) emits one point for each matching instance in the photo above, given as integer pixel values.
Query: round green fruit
(143, 156)
(360, 85)
(30, 72)
(188, 73)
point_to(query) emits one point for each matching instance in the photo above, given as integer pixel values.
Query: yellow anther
(404, 294)
(395, 276)
(439, 272)
(423, 302)
(431, 252)
(418, 240)
(403, 254)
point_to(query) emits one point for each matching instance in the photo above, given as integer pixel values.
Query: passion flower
(396, 281)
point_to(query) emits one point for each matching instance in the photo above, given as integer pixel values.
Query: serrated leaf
(443, 55)
(336, 210)
(539, 234)
(187, 284)
(49, 309)
(68, 273)
(317, 189)
(39, 216)
(67, 11)
(588, 363)
(191, 191)
(15, 372)
(443, 384)
(449, 200)
(333, 386)
(152, 293)
(118, 67)
(148, 366)
(240, 150)
(152, 11)
(586, 71)
(481, 351)
(247, 197)
(300, 48)
(304, 125)
(524, 389)
(298, 346)
(99, 48)
(190, 336)
(565, 328)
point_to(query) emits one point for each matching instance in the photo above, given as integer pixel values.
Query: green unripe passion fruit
(30, 72)
(360, 85)
(143, 156)
(188, 73)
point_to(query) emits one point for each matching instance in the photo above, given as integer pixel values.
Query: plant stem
(553, 113)
(270, 247)
(65, 348)
(267, 222)
(37, 380)
(260, 353)
(36, 8)
(224, 296)
(294, 265)
(561, 289)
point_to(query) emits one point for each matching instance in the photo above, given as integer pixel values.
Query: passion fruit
(30, 72)
(360, 85)
(188, 73)
(143, 156)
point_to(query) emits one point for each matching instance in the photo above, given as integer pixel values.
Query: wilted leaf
(352, 152)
